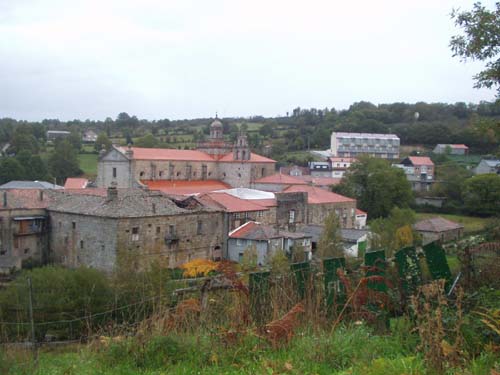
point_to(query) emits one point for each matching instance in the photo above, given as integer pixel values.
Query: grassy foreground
(354, 351)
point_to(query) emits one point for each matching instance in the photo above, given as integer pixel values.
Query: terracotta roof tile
(231, 203)
(421, 160)
(254, 158)
(141, 153)
(317, 195)
(281, 179)
(75, 183)
(182, 187)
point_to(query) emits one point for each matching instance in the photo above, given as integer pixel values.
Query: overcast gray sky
(176, 59)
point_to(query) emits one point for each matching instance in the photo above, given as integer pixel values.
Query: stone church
(213, 159)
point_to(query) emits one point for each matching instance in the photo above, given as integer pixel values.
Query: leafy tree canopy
(480, 40)
(377, 186)
(63, 161)
(481, 194)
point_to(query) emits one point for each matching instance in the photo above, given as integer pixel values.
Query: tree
(450, 177)
(33, 166)
(330, 243)
(377, 186)
(481, 194)
(395, 231)
(10, 170)
(148, 141)
(63, 161)
(480, 41)
(101, 142)
(76, 140)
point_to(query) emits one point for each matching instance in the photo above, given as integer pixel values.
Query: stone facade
(346, 212)
(214, 159)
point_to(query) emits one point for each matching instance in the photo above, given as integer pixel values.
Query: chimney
(40, 195)
(112, 193)
(5, 198)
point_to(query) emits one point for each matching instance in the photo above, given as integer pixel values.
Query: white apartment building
(385, 146)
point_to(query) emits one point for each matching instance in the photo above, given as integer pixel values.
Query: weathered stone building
(23, 228)
(214, 159)
(139, 225)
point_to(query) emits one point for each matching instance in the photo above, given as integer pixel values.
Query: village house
(419, 171)
(451, 149)
(488, 166)
(438, 229)
(266, 240)
(340, 165)
(89, 136)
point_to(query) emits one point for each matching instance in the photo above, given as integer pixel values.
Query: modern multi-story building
(385, 146)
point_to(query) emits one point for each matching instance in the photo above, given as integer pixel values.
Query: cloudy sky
(175, 59)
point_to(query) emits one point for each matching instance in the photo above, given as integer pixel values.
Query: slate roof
(317, 195)
(29, 185)
(352, 235)
(127, 203)
(253, 230)
(436, 224)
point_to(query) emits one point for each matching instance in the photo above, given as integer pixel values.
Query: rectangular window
(240, 257)
(81, 244)
(114, 172)
(135, 234)
(199, 228)
(158, 230)
(73, 225)
(240, 242)
(171, 229)
(291, 216)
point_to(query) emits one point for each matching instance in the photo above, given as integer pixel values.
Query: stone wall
(171, 240)
(19, 242)
(81, 240)
(291, 210)
(174, 170)
(114, 169)
(346, 212)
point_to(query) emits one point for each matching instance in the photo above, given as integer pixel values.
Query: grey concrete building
(488, 166)
(385, 146)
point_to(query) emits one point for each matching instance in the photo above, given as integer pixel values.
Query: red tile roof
(168, 154)
(140, 153)
(231, 203)
(320, 181)
(266, 202)
(462, 146)
(317, 195)
(360, 212)
(181, 187)
(75, 183)
(420, 160)
(281, 179)
(254, 158)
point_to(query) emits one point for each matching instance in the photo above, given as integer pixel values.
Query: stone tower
(241, 149)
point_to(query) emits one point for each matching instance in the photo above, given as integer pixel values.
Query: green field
(88, 164)
(471, 224)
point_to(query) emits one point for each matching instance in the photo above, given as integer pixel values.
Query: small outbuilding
(439, 229)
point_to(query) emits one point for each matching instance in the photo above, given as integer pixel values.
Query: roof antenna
(216, 114)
